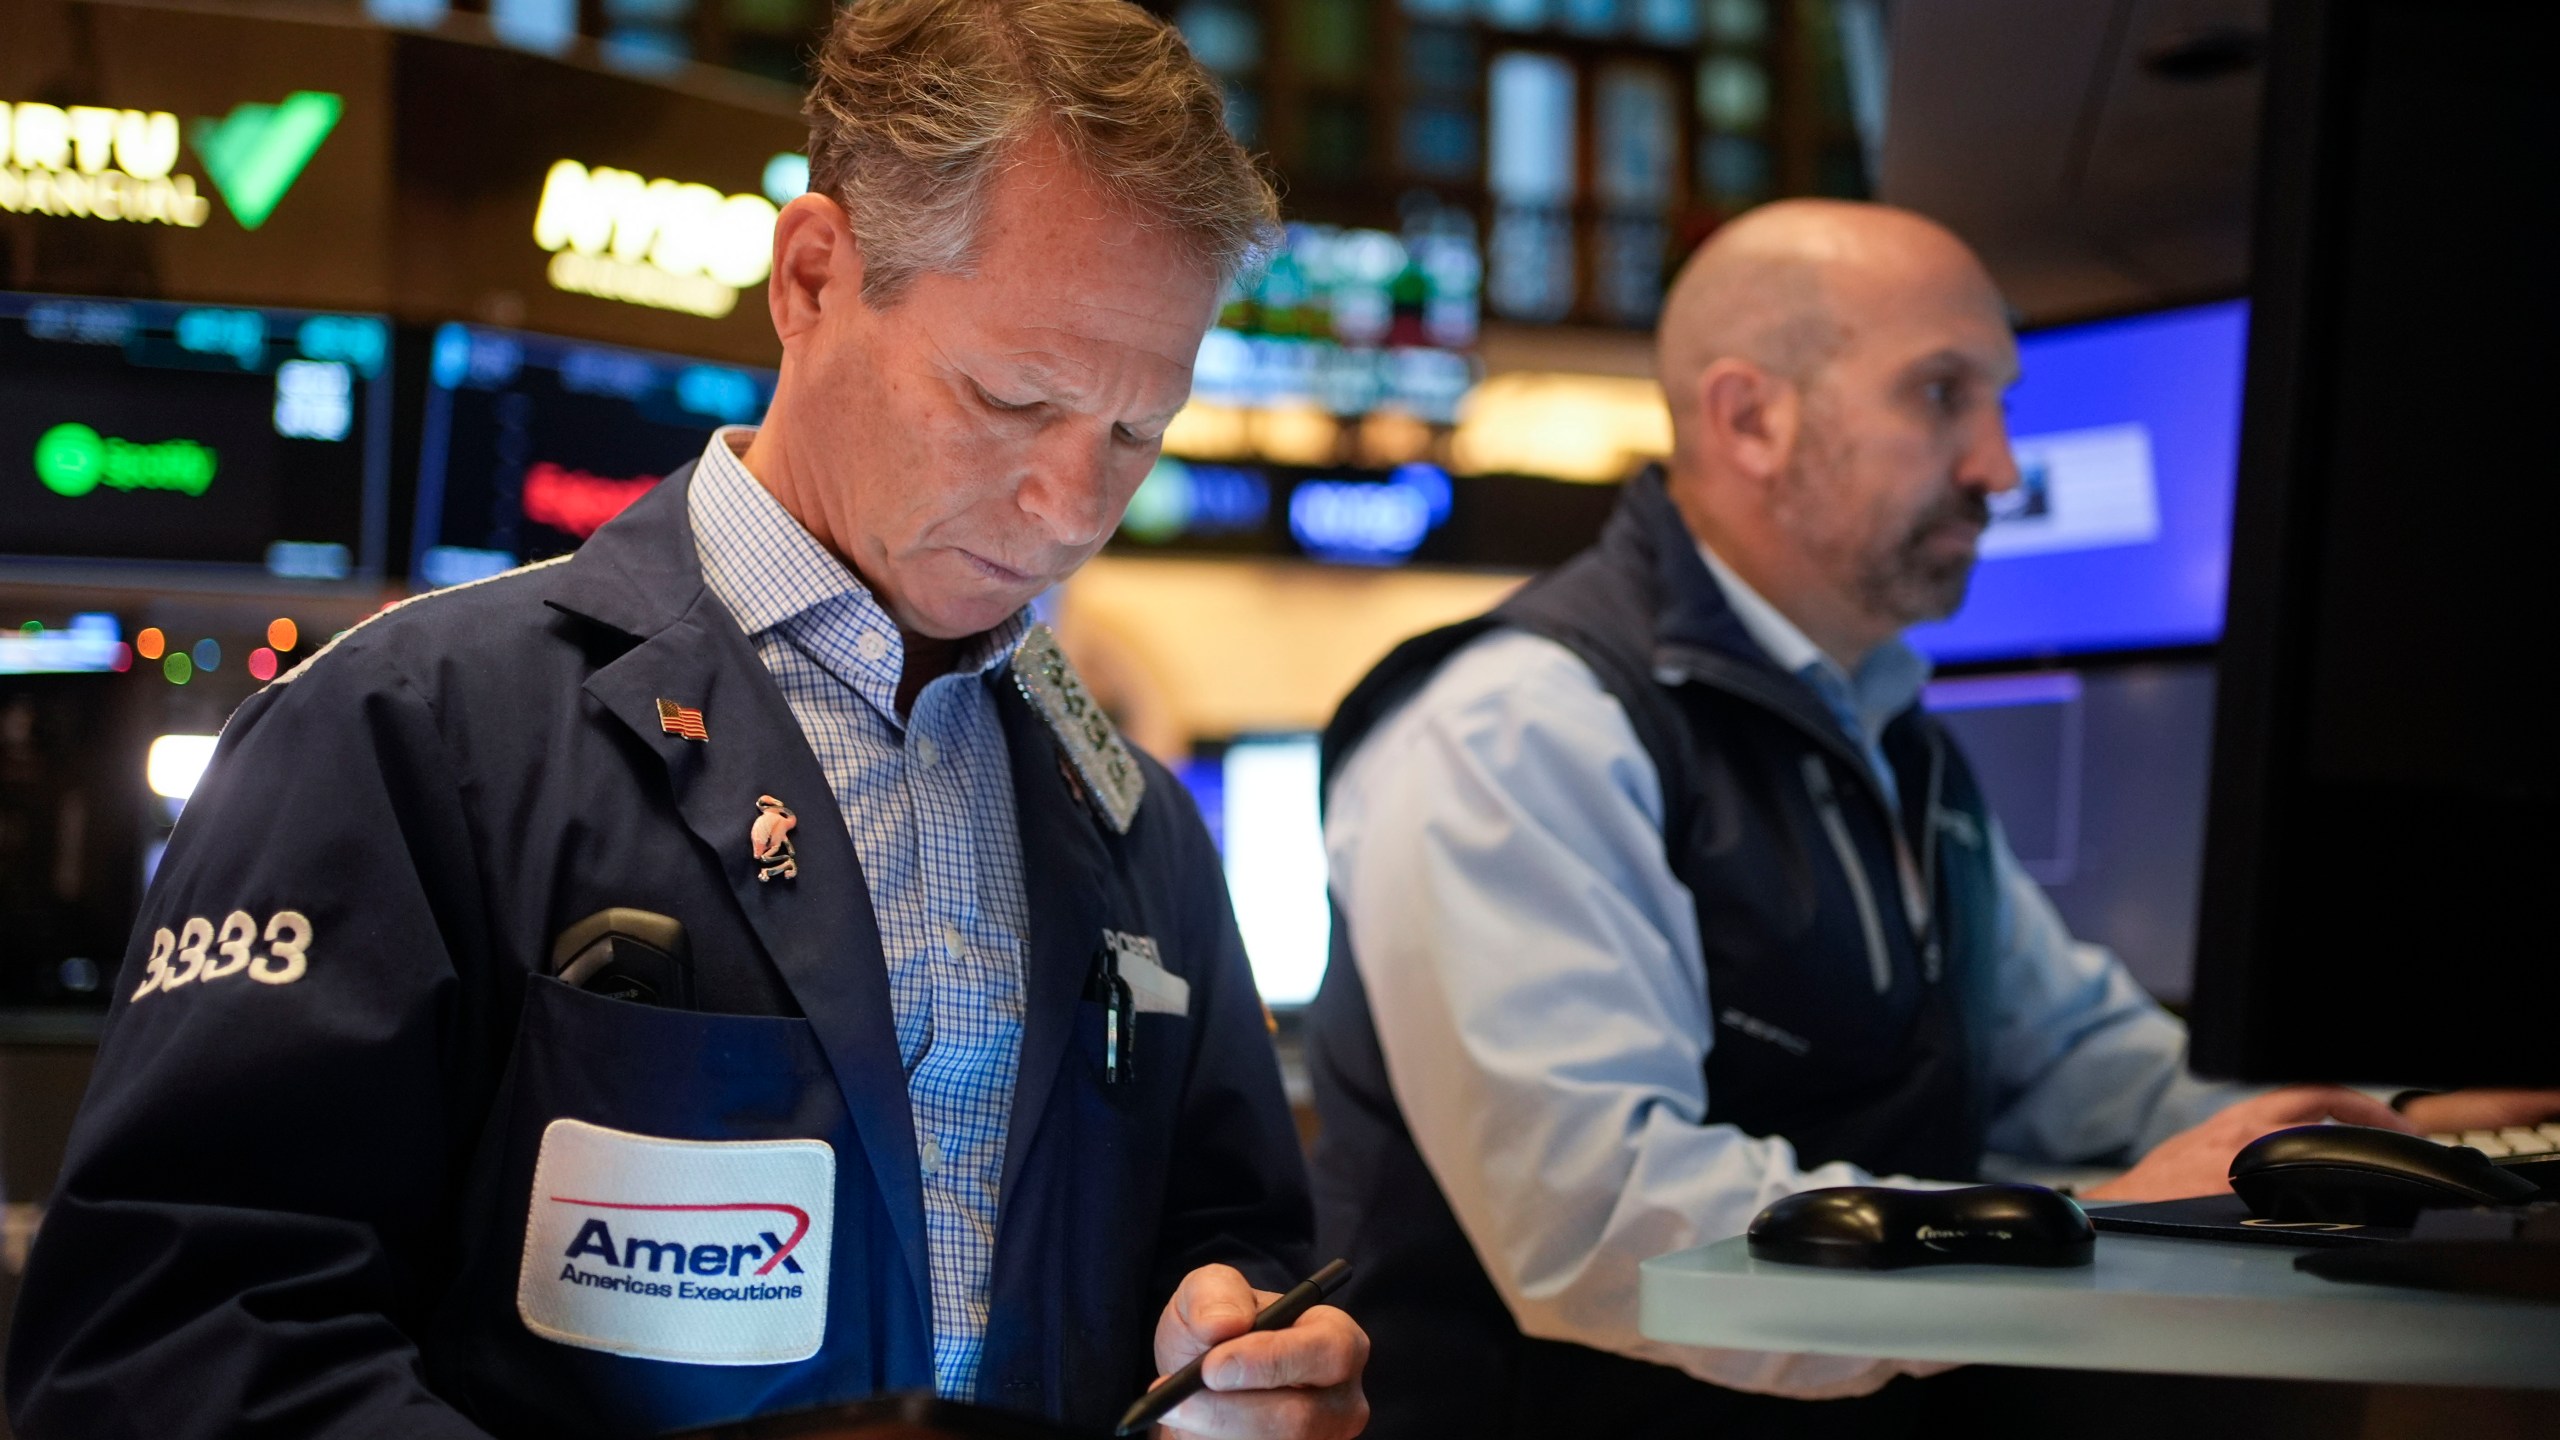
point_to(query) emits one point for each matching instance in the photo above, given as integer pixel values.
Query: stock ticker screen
(2127, 434)
(531, 442)
(141, 432)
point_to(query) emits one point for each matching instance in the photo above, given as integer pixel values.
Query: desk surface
(2194, 1307)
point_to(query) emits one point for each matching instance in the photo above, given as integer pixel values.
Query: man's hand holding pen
(1301, 1382)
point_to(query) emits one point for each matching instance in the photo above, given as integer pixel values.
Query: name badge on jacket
(1156, 990)
(705, 1252)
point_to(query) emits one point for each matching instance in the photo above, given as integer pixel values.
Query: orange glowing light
(283, 634)
(262, 661)
(150, 643)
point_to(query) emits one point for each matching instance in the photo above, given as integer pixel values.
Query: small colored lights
(150, 643)
(283, 634)
(175, 763)
(123, 660)
(208, 654)
(262, 664)
(177, 667)
(33, 627)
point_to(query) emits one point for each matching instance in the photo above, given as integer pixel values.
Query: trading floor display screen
(2098, 777)
(531, 442)
(133, 431)
(1258, 796)
(2118, 537)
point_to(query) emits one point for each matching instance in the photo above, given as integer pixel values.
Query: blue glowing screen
(2119, 538)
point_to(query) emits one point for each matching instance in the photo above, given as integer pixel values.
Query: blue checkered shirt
(929, 802)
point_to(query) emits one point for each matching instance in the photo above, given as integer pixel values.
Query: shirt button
(872, 645)
(927, 752)
(930, 1152)
(952, 943)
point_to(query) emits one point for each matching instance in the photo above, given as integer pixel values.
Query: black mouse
(1874, 1227)
(2360, 1175)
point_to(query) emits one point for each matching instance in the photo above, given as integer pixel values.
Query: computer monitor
(2097, 776)
(203, 438)
(2381, 845)
(2118, 537)
(531, 442)
(1258, 795)
(73, 815)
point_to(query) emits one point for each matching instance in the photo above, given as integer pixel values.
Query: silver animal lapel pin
(769, 839)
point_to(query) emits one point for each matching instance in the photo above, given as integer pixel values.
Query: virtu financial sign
(92, 162)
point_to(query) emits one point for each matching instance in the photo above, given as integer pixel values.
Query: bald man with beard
(1660, 897)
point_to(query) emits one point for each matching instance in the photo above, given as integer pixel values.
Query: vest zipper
(1932, 954)
(1675, 668)
(1826, 801)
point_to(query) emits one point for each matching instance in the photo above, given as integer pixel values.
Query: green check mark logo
(256, 152)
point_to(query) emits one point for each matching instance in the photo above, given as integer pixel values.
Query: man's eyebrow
(1951, 359)
(1048, 381)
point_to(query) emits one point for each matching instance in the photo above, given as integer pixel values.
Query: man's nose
(1989, 465)
(1067, 491)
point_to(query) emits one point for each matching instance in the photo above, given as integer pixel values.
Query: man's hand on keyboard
(2458, 1110)
(2198, 1161)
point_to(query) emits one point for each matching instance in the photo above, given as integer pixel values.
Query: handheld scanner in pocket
(622, 954)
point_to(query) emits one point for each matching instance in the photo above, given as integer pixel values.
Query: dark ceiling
(2098, 153)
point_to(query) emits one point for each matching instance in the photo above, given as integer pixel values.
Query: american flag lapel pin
(682, 720)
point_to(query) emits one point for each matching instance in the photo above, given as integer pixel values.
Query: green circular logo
(70, 459)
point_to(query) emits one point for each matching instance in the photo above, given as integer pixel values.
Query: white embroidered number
(288, 935)
(155, 971)
(238, 929)
(196, 943)
(192, 940)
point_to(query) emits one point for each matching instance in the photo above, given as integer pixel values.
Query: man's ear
(817, 262)
(1750, 415)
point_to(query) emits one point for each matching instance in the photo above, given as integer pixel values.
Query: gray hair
(918, 102)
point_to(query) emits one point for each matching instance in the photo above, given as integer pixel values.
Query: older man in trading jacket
(956, 1080)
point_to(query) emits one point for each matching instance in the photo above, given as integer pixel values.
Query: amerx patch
(702, 1252)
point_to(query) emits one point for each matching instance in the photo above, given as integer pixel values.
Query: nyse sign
(662, 243)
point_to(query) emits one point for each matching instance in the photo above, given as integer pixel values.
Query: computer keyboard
(2532, 1151)
(2515, 1140)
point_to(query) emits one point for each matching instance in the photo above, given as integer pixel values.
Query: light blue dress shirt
(928, 798)
(1534, 971)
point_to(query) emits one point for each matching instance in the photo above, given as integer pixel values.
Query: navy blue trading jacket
(301, 1199)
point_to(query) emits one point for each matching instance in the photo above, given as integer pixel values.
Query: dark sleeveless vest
(1846, 943)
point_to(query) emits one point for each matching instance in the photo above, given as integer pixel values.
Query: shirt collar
(1887, 682)
(773, 575)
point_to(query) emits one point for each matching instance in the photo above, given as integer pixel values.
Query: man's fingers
(2483, 1109)
(1302, 1383)
(2311, 1104)
(2359, 1109)
(1335, 1413)
(1214, 1303)
(1322, 1348)
(1214, 1416)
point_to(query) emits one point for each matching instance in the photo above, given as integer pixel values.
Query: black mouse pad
(2227, 1217)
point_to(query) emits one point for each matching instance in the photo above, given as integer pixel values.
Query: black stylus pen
(1280, 1314)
